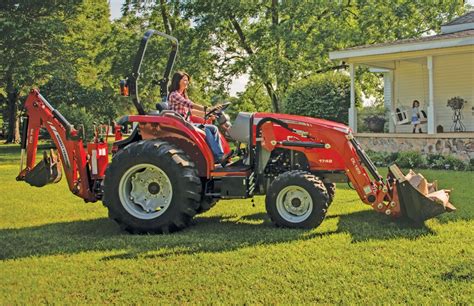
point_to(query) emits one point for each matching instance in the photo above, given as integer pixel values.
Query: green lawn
(56, 249)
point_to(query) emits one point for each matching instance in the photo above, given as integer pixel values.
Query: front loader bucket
(414, 204)
(47, 171)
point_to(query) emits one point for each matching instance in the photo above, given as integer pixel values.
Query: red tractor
(164, 173)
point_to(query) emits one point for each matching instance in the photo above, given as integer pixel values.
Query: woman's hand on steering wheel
(216, 109)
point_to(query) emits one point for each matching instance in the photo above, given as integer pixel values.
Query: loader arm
(40, 114)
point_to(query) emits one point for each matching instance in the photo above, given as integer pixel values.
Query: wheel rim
(145, 191)
(294, 204)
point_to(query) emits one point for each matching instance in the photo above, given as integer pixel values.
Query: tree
(194, 56)
(282, 42)
(325, 96)
(28, 46)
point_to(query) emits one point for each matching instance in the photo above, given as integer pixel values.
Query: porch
(430, 69)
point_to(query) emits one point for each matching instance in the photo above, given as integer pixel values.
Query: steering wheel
(217, 108)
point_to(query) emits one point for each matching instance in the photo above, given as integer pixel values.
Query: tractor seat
(161, 106)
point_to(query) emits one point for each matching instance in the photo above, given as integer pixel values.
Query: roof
(466, 18)
(467, 33)
(458, 32)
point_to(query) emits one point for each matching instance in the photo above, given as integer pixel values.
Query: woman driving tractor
(179, 102)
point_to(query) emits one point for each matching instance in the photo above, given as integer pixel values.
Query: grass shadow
(209, 234)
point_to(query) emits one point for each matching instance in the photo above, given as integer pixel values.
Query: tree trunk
(271, 92)
(13, 132)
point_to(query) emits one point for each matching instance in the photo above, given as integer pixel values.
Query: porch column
(430, 108)
(352, 109)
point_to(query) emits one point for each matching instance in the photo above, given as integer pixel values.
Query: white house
(429, 69)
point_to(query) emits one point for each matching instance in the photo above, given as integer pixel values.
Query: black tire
(284, 212)
(171, 168)
(331, 189)
(206, 204)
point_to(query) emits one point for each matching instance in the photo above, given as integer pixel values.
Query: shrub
(410, 159)
(369, 116)
(413, 159)
(446, 162)
(382, 158)
(324, 96)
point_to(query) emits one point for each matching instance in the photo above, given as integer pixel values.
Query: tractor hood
(305, 121)
(240, 130)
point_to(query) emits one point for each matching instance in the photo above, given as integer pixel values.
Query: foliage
(324, 96)
(253, 99)
(367, 114)
(380, 158)
(410, 159)
(456, 103)
(446, 162)
(413, 159)
(281, 42)
(232, 253)
(45, 38)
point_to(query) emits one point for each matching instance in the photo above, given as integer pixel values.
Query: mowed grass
(54, 248)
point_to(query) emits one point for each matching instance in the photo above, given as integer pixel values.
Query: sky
(238, 84)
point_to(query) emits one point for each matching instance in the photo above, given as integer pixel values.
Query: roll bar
(132, 80)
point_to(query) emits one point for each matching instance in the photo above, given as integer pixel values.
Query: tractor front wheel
(331, 188)
(297, 199)
(151, 187)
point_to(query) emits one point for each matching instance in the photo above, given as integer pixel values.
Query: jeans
(214, 142)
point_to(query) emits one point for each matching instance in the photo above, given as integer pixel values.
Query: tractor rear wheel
(206, 204)
(297, 199)
(151, 187)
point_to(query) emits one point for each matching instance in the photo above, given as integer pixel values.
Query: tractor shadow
(369, 225)
(208, 234)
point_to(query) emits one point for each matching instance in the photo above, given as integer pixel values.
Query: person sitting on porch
(415, 116)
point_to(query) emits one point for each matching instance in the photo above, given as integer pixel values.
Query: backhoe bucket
(46, 171)
(416, 205)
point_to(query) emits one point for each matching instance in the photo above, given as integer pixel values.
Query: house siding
(453, 76)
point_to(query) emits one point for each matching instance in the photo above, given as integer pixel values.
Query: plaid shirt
(179, 103)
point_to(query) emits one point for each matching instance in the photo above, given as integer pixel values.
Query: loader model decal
(61, 145)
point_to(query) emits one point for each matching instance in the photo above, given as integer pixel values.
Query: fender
(170, 125)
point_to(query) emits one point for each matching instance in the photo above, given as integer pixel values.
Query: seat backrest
(161, 106)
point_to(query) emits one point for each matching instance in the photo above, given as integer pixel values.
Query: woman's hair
(415, 101)
(177, 76)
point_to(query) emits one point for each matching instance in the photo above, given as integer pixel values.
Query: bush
(324, 96)
(369, 116)
(382, 159)
(413, 159)
(410, 159)
(446, 162)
